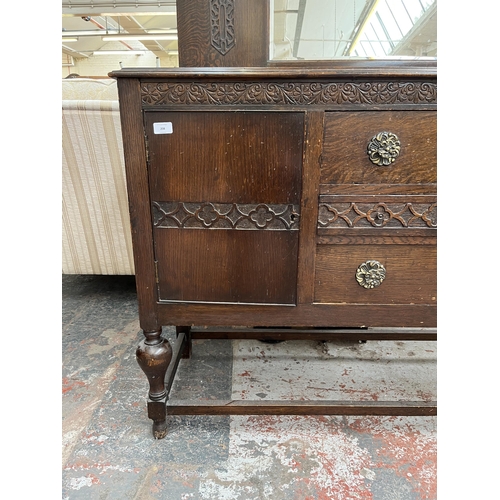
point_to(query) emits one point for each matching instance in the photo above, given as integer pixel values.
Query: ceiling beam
(74, 53)
(131, 25)
(97, 7)
(298, 26)
(422, 36)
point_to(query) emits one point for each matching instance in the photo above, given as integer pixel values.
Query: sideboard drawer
(410, 157)
(410, 274)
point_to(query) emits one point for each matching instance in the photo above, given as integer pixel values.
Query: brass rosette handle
(370, 274)
(384, 148)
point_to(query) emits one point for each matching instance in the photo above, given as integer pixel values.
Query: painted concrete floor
(108, 449)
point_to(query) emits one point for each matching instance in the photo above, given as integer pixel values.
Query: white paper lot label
(162, 128)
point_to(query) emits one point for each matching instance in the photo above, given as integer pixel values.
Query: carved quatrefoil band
(261, 216)
(383, 215)
(370, 274)
(384, 148)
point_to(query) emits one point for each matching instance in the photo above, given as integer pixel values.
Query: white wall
(102, 65)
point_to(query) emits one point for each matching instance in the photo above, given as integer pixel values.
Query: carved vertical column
(223, 32)
(154, 354)
(222, 25)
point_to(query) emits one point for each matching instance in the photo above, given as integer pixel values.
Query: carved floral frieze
(288, 93)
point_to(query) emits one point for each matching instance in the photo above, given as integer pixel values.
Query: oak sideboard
(279, 204)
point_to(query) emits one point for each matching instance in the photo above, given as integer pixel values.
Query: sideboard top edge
(343, 72)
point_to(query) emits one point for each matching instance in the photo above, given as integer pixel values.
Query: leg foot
(159, 429)
(157, 413)
(154, 354)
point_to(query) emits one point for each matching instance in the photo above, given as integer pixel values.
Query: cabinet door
(225, 194)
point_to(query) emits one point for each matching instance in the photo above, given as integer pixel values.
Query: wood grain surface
(346, 137)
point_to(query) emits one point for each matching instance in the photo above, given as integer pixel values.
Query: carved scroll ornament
(289, 93)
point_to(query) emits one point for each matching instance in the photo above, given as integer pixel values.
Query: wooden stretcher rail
(232, 407)
(316, 333)
(177, 350)
(245, 407)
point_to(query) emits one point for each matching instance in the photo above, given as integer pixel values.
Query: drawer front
(376, 214)
(399, 274)
(379, 147)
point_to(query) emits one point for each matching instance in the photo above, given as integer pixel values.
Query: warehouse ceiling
(302, 29)
(328, 29)
(140, 25)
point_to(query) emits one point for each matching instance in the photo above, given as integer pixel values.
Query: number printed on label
(162, 128)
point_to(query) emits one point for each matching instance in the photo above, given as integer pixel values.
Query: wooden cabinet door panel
(221, 157)
(227, 266)
(225, 191)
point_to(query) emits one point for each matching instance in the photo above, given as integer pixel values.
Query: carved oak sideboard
(299, 199)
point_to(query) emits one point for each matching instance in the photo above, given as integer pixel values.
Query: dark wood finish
(261, 204)
(377, 214)
(416, 68)
(302, 315)
(134, 148)
(188, 344)
(377, 189)
(229, 407)
(324, 334)
(410, 279)
(366, 237)
(227, 265)
(177, 353)
(407, 84)
(223, 32)
(237, 266)
(204, 148)
(154, 354)
(309, 206)
(345, 160)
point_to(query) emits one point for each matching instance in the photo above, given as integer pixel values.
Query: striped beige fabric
(95, 219)
(102, 89)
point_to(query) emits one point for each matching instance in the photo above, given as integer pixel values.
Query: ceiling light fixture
(148, 14)
(74, 33)
(70, 39)
(119, 52)
(124, 37)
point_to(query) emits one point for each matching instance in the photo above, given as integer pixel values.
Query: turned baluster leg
(154, 354)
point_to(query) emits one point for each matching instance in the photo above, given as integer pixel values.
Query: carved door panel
(225, 193)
